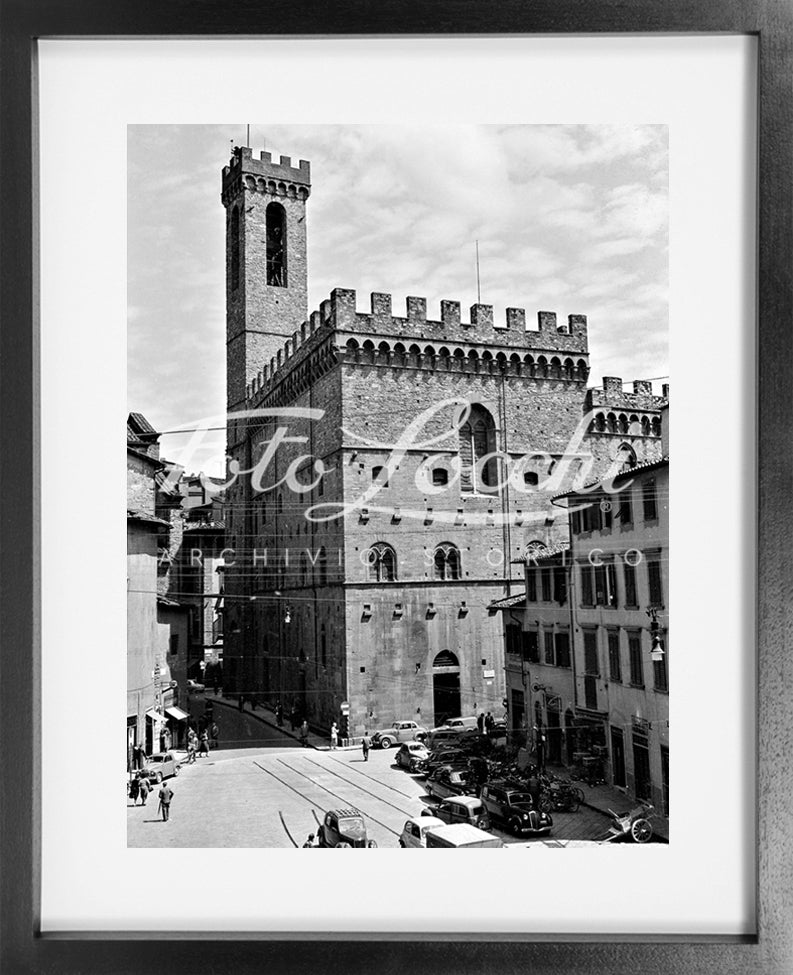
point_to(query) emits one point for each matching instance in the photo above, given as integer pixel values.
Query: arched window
(626, 457)
(477, 439)
(440, 476)
(234, 234)
(611, 423)
(445, 659)
(600, 423)
(645, 426)
(276, 245)
(656, 426)
(623, 423)
(322, 567)
(382, 563)
(447, 561)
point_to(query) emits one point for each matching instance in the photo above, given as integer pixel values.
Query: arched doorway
(445, 686)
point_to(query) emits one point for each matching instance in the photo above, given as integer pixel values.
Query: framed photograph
(392, 313)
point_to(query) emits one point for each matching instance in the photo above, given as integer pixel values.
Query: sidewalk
(605, 797)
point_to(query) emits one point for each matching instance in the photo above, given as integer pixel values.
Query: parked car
(161, 765)
(461, 809)
(193, 687)
(411, 754)
(514, 808)
(444, 757)
(344, 828)
(446, 782)
(461, 836)
(448, 736)
(461, 723)
(414, 832)
(399, 731)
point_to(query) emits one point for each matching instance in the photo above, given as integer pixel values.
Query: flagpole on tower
(249, 136)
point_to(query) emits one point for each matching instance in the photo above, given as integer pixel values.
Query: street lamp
(657, 644)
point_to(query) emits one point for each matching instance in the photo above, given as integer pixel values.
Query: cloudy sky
(571, 219)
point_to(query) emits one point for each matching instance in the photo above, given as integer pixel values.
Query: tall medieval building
(401, 466)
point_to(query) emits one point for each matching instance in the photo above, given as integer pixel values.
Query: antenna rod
(249, 136)
(478, 290)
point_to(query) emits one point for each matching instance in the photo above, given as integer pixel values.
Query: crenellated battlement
(617, 412)
(265, 176)
(479, 344)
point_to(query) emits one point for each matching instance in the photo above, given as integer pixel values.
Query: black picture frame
(24, 949)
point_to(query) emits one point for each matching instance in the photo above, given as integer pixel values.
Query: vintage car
(399, 731)
(445, 782)
(343, 828)
(461, 836)
(444, 758)
(414, 832)
(410, 755)
(460, 723)
(514, 808)
(161, 765)
(461, 809)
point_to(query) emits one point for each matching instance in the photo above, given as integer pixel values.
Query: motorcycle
(635, 824)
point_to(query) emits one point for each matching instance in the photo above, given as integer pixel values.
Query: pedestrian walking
(191, 752)
(309, 842)
(489, 722)
(304, 734)
(138, 757)
(166, 794)
(214, 731)
(366, 744)
(134, 790)
(203, 748)
(334, 736)
(144, 788)
(480, 722)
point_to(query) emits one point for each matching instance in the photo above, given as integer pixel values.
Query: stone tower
(266, 267)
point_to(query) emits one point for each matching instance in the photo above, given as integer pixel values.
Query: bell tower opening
(276, 245)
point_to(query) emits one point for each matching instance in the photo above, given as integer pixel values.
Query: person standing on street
(134, 789)
(166, 794)
(304, 734)
(489, 722)
(214, 731)
(334, 736)
(480, 722)
(203, 748)
(144, 788)
(366, 744)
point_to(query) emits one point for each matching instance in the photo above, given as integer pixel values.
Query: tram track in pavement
(335, 795)
(325, 768)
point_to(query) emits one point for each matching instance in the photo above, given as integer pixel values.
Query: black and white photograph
(397, 486)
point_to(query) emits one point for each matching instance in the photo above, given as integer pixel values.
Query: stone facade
(429, 449)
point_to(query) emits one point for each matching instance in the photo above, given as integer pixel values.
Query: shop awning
(176, 713)
(155, 715)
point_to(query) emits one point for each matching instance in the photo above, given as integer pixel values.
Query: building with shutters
(602, 708)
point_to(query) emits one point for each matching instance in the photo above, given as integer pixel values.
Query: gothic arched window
(626, 457)
(382, 563)
(322, 567)
(276, 245)
(477, 439)
(447, 561)
(234, 236)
